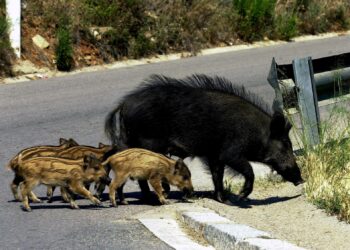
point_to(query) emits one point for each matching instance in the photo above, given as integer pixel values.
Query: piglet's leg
(26, 188)
(33, 197)
(49, 193)
(156, 183)
(78, 187)
(117, 182)
(14, 186)
(69, 198)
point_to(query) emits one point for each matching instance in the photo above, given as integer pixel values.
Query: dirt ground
(282, 211)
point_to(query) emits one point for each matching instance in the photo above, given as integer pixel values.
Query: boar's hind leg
(26, 188)
(121, 195)
(14, 186)
(117, 182)
(243, 167)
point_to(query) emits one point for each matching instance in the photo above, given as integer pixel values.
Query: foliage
(255, 18)
(140, 28)
(64, 49)
(326, 167)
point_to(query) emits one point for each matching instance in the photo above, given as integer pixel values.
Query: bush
(326, 167)
(145, 27)
(64, 49)
(254, 18)
(286, 26)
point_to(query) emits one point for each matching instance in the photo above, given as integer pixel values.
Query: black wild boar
(208, 117)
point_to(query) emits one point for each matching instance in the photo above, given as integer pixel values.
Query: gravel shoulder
(280, 210)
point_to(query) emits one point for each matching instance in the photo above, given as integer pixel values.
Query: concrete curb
(225, 234)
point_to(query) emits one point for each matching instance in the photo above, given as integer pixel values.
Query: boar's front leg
(78, 188)
(217, 172)
(156, 183)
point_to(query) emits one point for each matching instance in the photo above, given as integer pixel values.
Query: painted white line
(169, 231)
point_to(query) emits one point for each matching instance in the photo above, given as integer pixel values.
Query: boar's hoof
(297, 183)
(96, 201)
(219, 197)
(37, 201)
(242, 197)
(114, 204)
(74, 206)
(164, 202)
(124, 202)
(26, 209)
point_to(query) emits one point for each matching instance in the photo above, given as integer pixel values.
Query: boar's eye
(185, 178)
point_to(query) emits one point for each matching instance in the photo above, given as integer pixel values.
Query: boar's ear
(73, 142)
(178, 165)
(279, 126)
(63, 141)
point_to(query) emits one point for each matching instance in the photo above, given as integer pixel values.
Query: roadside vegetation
(107, 30)
(6, 52)
(326, 167)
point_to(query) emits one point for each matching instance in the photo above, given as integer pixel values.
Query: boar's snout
(188, 192)
(298, 182)
(291, 174)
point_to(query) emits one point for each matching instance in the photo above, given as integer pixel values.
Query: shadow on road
(233, 200)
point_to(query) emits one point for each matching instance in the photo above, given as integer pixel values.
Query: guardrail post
(307, 99)
(273, 80)
(13, 12)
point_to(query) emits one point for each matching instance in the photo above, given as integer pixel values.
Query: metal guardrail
(300, 80)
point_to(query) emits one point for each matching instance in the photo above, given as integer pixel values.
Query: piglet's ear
(101, 145)
(279, 125)
(63, 141)
(178, 164)
(73, 142)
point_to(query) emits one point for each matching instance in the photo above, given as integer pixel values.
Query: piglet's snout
(188, 192)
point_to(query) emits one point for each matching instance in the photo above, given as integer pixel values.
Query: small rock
(25, 67)
(40, 42)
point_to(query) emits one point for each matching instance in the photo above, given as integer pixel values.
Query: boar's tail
(13, 164)
(112, 127)
(9, 166)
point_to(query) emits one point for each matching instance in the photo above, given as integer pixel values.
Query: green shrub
(286, 26)
(64, 49)
(255, 18)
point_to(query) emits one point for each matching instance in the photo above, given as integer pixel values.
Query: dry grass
(326, 167)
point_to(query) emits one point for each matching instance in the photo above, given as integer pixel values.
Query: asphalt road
(40, 112)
